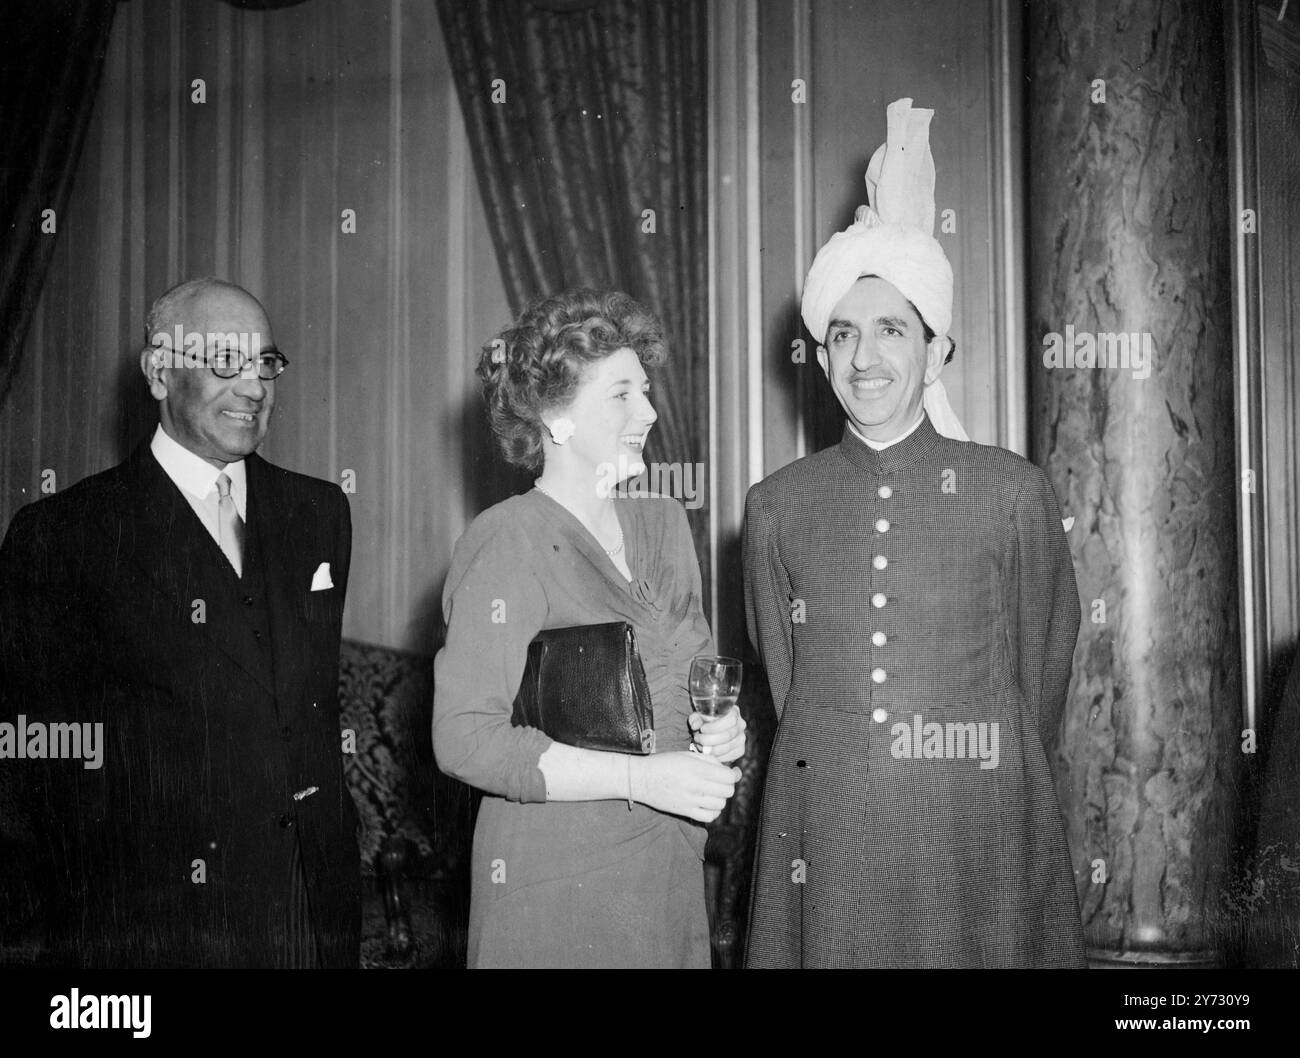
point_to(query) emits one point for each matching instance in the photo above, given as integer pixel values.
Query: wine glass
(714, 685)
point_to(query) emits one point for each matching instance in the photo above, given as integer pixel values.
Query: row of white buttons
(878, 601)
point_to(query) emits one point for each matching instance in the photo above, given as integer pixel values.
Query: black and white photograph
(709, 485)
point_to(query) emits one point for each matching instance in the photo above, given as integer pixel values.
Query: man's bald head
(178, 305)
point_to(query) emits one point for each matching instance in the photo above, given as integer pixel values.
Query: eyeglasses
(227, 363)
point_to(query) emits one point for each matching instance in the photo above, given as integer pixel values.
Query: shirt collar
(195, 475)
(880, 446)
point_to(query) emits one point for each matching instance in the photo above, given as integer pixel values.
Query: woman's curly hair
(538, 364)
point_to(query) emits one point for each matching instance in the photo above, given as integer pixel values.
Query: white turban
(893, 238)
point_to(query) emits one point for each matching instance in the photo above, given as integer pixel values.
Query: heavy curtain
(588, 126)
(54, 53)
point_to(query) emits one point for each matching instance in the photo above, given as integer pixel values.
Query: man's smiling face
(877, 359)
(221, 420)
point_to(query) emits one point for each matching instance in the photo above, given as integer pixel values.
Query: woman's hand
(721, 737)
(683, 784)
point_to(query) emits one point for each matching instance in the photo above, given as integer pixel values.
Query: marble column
(1131, 377)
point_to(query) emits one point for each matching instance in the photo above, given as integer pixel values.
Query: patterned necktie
(230, 527)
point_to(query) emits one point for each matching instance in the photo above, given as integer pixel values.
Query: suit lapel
(157, 531)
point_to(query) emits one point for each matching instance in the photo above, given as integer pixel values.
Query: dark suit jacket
(219, 700)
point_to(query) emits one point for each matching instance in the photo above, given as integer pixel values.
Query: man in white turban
(913, 600)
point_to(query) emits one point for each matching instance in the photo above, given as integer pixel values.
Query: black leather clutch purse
(585, 686)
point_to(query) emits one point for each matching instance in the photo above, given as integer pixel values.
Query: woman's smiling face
(611, 414)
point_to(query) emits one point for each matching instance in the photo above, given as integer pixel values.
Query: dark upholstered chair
(413, 819)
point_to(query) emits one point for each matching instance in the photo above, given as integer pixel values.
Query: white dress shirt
(881, 445)
(197, 479)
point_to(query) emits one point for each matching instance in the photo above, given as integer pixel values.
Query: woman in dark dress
(581, 858)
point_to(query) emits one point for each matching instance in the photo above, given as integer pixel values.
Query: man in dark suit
(913, 600)
(190, 601)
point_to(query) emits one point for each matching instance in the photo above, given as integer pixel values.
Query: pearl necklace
(611, 552)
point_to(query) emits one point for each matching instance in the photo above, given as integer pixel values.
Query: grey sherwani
(916, 611)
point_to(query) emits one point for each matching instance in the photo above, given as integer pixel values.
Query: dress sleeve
(1048, 605)
(494, 605)
(767, 598)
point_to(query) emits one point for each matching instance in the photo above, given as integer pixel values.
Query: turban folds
(892, 237)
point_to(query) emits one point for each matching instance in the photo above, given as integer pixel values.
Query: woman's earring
(561, 430)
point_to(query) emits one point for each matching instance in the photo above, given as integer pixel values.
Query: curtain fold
(588, 127)
(54, 55)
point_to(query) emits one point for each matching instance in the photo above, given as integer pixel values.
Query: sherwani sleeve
(1048, 605)
(494, 605)
(767, 598)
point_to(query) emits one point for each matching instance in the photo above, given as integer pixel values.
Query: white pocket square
(320, 580)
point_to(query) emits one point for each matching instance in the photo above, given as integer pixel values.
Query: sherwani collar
(896, 457)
